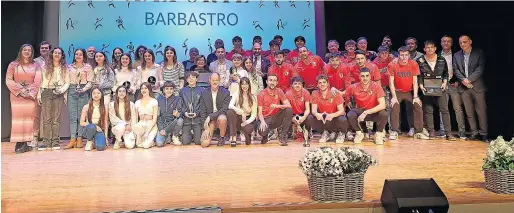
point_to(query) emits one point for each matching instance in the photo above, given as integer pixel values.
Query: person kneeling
(213, 109)
(328, 111)
(122, 114)
(300, 104)
(242, 112)
(273, 114)
(94, 120)
(169, 120)
(370, 100)
(146, 128)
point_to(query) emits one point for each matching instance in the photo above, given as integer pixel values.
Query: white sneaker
(332, 136)
(411, 132)
(175, 140)
(421, 136)
(89, 146)
(393, 135)
(425, 132)
(349, 136)
(358, 137)
(324, 137)
(340, 138)
(116, 145)
(242, 136)
(379, 138)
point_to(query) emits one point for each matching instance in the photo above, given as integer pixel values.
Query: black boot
(19, 148)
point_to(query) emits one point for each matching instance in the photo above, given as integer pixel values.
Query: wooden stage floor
(235, 179)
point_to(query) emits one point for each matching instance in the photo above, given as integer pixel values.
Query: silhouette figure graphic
(90, 4)
(130, 46)
(111, 3)
(276, 4)
(261, 3)
(70, 23)
(257, 26)
(305, 23)
(98, 24)
(280, 24)
(104, 48)
(210, 45)
(128, 3)
(70, 3)
(120, 23)
(184, 45)
(71, 50)
(292, 4)
(309, 4)
(157, 51)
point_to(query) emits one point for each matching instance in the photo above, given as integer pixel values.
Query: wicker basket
(499, 181)
(347, 187)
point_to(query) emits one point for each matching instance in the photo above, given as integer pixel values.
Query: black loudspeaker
(413, 196)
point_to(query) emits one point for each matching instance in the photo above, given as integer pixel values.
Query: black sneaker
(264, 139)
(484, 138)
(42, 147)
(462, 136)
(450, 137)
(221, 141)
(283, 141)
(233, 143)
(56, 145)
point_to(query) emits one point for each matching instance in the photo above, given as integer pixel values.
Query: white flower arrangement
(500, 155)
(330, 162)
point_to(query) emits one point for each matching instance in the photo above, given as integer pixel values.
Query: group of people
(347, 95)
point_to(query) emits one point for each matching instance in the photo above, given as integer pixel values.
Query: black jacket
(166, 108)
(476, 69)
(440, 69)
(222, 100)
(190, 97)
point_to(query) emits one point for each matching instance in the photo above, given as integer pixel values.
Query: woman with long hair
(242, 112)
(51, 96)
(236, 72)
(104, 76)
(122, 114)
(172, 70)
(139, 55)
(94, 120)
(147, 110)
(23, 79)
(200, 65)
(255, 79)
(126, 75)
(116, 58)
(81, 79)
(149, 69)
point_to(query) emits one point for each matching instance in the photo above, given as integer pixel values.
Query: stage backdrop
(182, 24)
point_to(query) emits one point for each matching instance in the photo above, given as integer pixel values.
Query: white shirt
(449, 60)
(214, 94)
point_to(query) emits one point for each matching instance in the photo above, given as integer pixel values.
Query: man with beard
(370, 106)
(338, 73)
(238, 47)
(91, 51)
(274, 46)
(213, 110)
(403, 84)
(193, 52)
(386, 41)
(300, 100)
(274, 111)
(328, 112)
(412, 45)
(362, 44)
(333, 48)
(348, 56)
(190, 99)
(293, 56)
(44, 51)
(260, 62)
(309, 67)
(221, 66)
(433, 66)
(361, 62)
(283, 71)
(212, 56)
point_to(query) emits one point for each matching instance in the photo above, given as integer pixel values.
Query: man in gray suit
(469, 66)
(213, 110)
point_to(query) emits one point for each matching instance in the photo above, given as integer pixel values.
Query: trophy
(126, 84)
(305, 137)
(353, 103)
(152, 80)
(324, 116)
(191, 114)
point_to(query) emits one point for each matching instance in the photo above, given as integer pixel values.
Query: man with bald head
(91, 51)
(212, 56)
(213, 110)
(260, 62)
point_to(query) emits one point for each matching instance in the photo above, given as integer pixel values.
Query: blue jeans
(175, 127)
(75, 103)
(91, 133)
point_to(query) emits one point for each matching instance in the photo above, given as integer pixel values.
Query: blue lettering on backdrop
(182, 25)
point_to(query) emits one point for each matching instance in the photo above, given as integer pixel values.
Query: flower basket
(499, 166)
(336, 174)
(346, 187)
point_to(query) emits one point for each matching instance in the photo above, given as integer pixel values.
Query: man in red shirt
(309, 67)
(383, 59)
(370, 106)
(328, 111)
(274, 111)
(238, 47)
(362, 61)
(274, 46)
(348, 56)
(403, 84)
(338, 73)
(300, 100)
(293, 56)
(284, 71)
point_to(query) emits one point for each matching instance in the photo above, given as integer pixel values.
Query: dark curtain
(22, 22)
(490, 25)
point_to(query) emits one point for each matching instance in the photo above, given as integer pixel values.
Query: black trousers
(282, 119)
(338, 124)
(380, 118)
(475, 102)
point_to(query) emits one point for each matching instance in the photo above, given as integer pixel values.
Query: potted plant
(336, 174)
(499, 166)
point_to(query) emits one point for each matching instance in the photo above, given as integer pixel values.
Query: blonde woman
(122, 114)
(146, 127)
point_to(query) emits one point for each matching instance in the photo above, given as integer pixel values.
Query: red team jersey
(365, 99)
(294, 57)
(267, 97)
(298, 99)
(285, 73)
(310, 71)
(328, 104)
(231, 53)
(338, 77)
(403, 74)
(373, 71)
(382, 68)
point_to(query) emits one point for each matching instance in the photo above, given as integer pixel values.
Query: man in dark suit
(260, 62)
(469, 66)
(213, 109)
